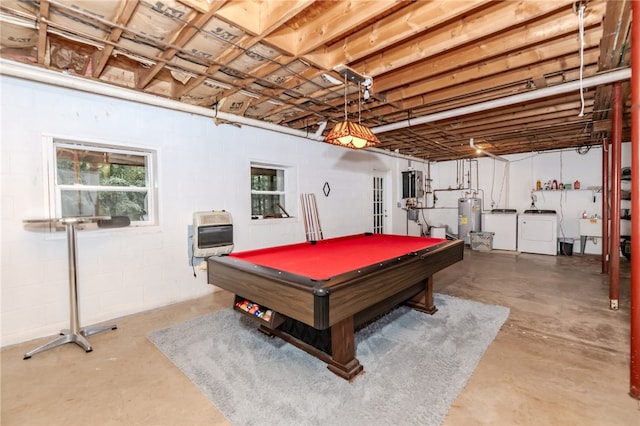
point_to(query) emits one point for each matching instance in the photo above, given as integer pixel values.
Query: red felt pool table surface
(323, 259)
(320, 292)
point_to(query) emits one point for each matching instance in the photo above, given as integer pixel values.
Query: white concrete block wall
(201, 166)
(524, 170)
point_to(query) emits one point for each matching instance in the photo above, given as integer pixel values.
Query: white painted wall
(514, 192)
(202, 166)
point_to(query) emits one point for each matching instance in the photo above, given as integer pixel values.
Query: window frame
(289, 191)
(54, 190)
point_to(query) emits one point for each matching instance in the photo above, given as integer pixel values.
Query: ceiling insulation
(276, 61)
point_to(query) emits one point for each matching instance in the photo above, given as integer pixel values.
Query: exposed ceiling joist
(275, 63)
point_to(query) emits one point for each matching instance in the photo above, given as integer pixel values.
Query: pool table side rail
(439, 257)
(279, 292)
(396, 282)
(348, 294)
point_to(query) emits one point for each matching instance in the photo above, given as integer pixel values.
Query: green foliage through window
(102, 182)
(267, 193)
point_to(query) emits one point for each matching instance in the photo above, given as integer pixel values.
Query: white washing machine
(503, 223)
(538, 232)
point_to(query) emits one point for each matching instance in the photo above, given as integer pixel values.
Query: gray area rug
(415, 367)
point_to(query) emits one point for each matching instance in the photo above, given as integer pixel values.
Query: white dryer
(538, 232)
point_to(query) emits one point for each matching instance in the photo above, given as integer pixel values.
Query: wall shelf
(566, 190)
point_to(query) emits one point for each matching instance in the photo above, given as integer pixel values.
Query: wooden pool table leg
(423, 301)
(343, 361)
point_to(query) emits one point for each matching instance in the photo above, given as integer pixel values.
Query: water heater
(469, 211)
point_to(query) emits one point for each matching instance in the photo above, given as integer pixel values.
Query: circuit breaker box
(412, 184)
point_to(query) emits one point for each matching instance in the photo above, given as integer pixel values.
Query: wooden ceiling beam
(429, 56)
(497, 80)
(616, 34)
(524, 119)
(43, 16)
(204, 6)
(525, 110)
(559, 127)
(615, 43)
(340, 18)
(550, 138)
(512, 42)
(100, 58)
(498, 17)
(409, 22)
(546, 53)
(275, 14)
(439, 66)
(261, 18)
(178, 40)
(241, 14)
(522, 127)
(230, 54)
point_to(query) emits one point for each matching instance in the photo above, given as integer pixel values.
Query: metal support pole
(634, 387)
(74, 334)
(616, 165)
(605, 206)
(72, 256)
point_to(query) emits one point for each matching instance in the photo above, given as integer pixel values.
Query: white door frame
(386, 199)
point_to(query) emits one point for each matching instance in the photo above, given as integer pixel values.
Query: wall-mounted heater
(212, 233)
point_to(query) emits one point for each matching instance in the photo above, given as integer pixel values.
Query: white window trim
(52, 202)
(290, 190)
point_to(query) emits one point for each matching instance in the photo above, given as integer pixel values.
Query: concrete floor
(561, 358)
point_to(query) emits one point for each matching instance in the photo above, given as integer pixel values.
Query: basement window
(90, 179)
(271, 195)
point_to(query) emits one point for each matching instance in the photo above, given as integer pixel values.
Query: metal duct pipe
(596, 80)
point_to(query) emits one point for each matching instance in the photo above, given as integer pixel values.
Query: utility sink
(538, 211)
(591, 227)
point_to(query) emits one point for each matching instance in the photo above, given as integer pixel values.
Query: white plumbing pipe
(33, 73)
(40, 75)
(321, 127)
(485, 152)
(596, 80)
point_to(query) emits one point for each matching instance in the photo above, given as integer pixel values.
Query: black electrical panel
(412, 184)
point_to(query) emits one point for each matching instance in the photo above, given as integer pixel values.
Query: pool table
(320, 292)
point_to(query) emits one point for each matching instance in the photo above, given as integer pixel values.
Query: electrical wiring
(583, 150)
(581, 30)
